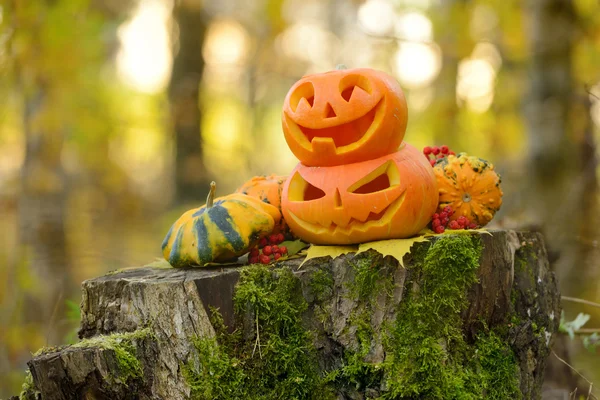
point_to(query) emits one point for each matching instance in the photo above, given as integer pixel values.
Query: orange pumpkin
(268, 189)
(389, 197)
(470, 186)
(344, 116)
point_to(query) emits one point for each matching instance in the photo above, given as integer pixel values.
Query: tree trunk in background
(42, 206)
(447, 33)
(589, 231)
(190, 174)
(560, 181)
(551, 164)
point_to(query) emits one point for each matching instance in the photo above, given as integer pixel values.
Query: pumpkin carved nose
(337, 199)
(329, 112)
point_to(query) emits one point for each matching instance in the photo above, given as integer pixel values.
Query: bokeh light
(310, 43)
(477, 77)
(226, 51)
(418, 4)
(227, 43)
(414, 26)
(377, 17)
(416, 64)
(484, 22)
(144, 59)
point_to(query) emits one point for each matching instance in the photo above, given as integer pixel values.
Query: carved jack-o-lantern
(389, 197)
(344, 116)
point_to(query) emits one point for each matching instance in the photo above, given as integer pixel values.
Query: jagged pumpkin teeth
(389, 197)
(344, 116)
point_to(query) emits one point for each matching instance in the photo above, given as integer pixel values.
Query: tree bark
(157, 312)
(191, 178)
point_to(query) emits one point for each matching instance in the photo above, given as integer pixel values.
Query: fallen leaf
(396, 248)
(324, 251)
(294, 246)
(159, 263)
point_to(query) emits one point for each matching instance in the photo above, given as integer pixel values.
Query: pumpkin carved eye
(312, 193)
(343, 117)
(302, 190)
(389, 197)
(351, 84)
(304, 94)
(380, 179)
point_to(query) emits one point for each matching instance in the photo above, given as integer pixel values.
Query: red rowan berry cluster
(268, 249)
(435, 153)
(440, 222)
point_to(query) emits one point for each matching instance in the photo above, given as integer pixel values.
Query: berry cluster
(440, 222)
(434, 153)
(268, 249)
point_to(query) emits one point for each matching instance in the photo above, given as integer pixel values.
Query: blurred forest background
(115, 114)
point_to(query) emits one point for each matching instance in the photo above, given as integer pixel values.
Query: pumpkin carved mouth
(392, 196)
(342, 137)
(343, 134)
(373, 220)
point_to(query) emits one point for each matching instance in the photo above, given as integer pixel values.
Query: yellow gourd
(470, 186)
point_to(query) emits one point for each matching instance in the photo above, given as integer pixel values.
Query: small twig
(52, 322)
(573, 394)
(369, 33)
(590, 394)
(589, 91)
(582, 301)
(585, 331)
(257, 341)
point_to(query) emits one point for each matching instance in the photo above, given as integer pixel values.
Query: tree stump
(469, 316)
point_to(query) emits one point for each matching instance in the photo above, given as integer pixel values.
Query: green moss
(355, 372)
(47, 349)
(271, 356)
(371, 276)
(28, 389)
(525, 258)
(321, 284)
(123, 345)
(366, 279)
(495, 363)
(428, 356)
(370, 280)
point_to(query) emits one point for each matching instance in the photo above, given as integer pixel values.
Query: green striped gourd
(223, 229)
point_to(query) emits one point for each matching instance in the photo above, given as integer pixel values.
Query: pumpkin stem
(211, 195)
(340, 67)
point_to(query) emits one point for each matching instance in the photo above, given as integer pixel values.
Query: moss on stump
(470, 317)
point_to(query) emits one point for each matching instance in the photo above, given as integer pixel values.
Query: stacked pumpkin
(356, 181)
